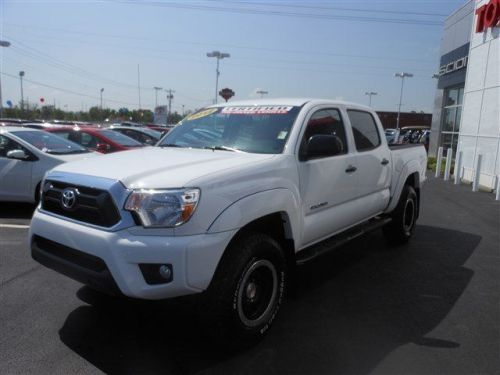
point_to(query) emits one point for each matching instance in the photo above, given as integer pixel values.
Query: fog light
(155, 273)
(165, 272)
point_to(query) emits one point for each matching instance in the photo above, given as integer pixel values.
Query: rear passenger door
(373, 162)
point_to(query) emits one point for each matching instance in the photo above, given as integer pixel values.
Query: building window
(452, 112)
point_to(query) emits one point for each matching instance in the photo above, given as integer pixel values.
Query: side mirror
(17, 154)
(323, 145)
(103, 148)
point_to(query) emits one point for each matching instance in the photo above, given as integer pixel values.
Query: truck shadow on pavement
(351, 309)
(16, 210)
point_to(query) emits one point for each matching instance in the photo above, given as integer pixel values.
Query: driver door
(328, 183)
(15, 174)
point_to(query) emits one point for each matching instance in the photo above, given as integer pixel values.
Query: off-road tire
(404, 217)
(252, 275)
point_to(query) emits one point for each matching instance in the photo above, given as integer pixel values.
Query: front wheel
(404, 217)
(247, 290)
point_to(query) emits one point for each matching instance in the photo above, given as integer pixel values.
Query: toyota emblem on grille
(68, 198)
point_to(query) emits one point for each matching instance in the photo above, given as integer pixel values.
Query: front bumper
(77, 251)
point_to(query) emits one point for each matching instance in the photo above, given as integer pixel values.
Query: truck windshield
(254, 129)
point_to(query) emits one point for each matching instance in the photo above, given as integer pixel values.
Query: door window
(365, 130)
(7, 144)
(89, 140)
(325, 122)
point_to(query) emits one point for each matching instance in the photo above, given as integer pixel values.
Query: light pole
(401, 75)
(170, 96)
(101, 98)
(262, 93)
(156, 94)
(370, 94)
(21, 75)
(219, 56)
(3, 43)
(183, 110)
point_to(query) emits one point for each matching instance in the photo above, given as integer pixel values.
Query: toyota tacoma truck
(227, 204)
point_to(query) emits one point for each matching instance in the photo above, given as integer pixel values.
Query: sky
(70, 50)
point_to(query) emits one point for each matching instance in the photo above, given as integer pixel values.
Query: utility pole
(139, 85)
(156, 94)
(262, 93)
(21, 75)
(370, 94)
(401, 75)
(170, 96)
(219, 56)
(3, 43)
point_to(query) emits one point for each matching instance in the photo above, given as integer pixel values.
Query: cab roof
(295, 102)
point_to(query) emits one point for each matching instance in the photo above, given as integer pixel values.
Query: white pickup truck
(227, 204)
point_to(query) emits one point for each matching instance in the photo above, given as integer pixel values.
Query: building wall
(390, 119)
(480, 125)
(454, 44)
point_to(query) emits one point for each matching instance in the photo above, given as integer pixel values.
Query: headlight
(163, 208)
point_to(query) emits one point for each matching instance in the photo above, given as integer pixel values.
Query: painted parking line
(18, 226)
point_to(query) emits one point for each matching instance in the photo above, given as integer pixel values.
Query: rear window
(120, 138)
(365, 130)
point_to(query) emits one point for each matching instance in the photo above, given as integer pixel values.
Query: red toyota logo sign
(488, 16)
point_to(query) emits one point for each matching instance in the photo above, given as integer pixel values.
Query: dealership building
(466, 116)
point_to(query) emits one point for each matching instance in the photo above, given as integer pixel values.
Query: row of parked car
(29, 149)
(409, 134)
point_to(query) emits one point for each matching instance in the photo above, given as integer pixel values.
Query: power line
(335, 8)
(72, 69)
(65, 90)
(226, 45)
(56, 74)
(279, 13)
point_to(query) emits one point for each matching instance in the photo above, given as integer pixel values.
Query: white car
(227, 204)
(26, 155)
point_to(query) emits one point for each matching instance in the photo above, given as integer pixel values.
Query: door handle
(384, 161)
(351, 169)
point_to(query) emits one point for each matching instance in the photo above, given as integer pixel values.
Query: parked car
(101, 140)
(143, 135)
(229, 203)
(25, 155)
(132, 124)
(411, 134)
(391, 135)
(425, 139)
(164, 129)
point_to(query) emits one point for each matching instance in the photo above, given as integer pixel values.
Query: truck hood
(73, 157)
(155, 168)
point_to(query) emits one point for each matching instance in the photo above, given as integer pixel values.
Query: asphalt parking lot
(431, 307)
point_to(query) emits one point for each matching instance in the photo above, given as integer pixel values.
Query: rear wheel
(404, 217)
(247, 290)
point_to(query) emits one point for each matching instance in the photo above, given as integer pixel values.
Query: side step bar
(338, 240)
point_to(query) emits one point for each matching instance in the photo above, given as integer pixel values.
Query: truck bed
(405, 145)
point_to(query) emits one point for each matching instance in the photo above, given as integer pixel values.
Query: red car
(100, 140)
(164, 129)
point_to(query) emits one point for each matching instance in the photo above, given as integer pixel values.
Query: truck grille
(80, 203)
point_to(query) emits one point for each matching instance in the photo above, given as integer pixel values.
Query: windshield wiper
(222, 148)
(170, 145)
